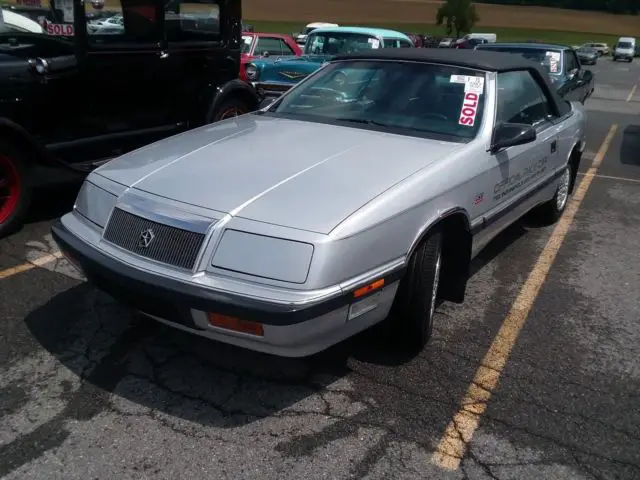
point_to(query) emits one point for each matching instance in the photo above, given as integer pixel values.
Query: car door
(127, 98)
(202, 52)
(515, 172)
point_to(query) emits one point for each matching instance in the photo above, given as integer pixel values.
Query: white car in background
(301, 38)
(105, 26)
(14, 22)
(601, 48)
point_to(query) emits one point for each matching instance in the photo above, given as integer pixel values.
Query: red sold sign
(469, 109)
(61, 29)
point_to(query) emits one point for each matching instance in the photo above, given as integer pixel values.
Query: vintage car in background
(258, 44)
(301, 37)
(70, 101)
(587, 55)
(561, 63)
(360, 195)
(272, 76)
(601, 48)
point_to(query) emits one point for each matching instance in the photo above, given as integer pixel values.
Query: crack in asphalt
(83, 404)
(109, 370)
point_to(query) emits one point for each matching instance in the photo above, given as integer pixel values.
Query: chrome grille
(170, 245)
(293, 75)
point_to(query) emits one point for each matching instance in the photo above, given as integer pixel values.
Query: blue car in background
(272, 76)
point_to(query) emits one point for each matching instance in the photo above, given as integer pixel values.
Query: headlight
(94, 203)
(261, 256)
(252, 72)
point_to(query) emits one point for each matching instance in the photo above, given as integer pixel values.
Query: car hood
(303, 175)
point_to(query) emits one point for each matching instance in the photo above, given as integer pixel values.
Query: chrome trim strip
(162, 213)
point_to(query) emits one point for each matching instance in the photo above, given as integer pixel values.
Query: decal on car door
(520, 179)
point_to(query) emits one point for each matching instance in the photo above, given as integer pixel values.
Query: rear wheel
(233, 107)
(414, 306)
(15, 189)
(549, 212)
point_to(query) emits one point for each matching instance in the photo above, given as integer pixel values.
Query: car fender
(39, 155)
(235, 87)
(457, 250)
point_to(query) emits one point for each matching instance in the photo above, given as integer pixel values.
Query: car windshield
(339, 43)
(407, 98)
(625, 45)
(549, 59)
(245, 47)
(586, 50)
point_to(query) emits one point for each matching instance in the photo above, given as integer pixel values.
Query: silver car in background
(360, 195)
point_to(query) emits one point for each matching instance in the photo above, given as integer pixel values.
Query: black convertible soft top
(476, 59)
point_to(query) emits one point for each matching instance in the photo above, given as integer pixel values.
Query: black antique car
(572, 81)
(100, 79)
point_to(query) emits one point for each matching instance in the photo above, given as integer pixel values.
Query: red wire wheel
(10, 188)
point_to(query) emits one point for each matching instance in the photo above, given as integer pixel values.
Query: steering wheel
(329, 93)
(340, 78)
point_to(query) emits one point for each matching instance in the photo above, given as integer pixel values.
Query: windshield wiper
(364, 122)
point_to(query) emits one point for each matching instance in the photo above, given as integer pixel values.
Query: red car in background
(256, 44)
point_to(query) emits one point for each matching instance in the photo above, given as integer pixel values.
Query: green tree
(457, 15)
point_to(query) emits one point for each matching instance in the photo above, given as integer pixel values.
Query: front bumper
(289, 330)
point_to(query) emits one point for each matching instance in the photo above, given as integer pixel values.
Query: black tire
(229, 109)
(550, 212)
(13, 168)
(414, 305)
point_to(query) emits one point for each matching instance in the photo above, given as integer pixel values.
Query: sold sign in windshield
(61, 29)
(469, 109)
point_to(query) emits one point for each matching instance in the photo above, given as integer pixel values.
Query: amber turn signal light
(235, 324)
(369, 288)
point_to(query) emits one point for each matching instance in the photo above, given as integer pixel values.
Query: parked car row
(240, 229)
(359, 197)
(125, 104)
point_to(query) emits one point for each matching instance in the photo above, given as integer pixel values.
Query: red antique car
(256, 44)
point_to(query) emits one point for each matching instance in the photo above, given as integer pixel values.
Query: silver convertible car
(360, 195)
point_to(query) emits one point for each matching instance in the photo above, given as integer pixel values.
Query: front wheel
(414, 306)
(234, 107)
(15, 189)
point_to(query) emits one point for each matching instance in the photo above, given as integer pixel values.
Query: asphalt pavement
(546, 346)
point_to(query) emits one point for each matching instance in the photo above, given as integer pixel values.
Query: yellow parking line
(459, 432)
(620, 179)
(633, 91)
(38, 262)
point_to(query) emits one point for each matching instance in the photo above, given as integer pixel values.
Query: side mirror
(508, 135)
(265, 53)
(266, 102)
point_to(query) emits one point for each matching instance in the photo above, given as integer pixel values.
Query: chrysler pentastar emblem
(146, 238)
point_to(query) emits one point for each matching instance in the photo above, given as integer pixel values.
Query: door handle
(554, 146)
